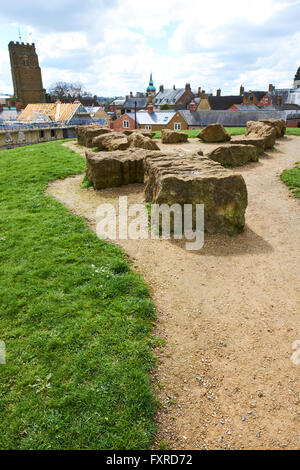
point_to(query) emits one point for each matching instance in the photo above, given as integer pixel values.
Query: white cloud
(111, 48)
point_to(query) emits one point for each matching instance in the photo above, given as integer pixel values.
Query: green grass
(77, 322)
(293, 131)
(192, 133)
(292, 179)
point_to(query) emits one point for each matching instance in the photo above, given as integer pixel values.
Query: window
(148, 127)
(251, 98)
(21, 136)
(41, 134)
(125, 123)
(26, 61)
(177, 126)
(52, 133)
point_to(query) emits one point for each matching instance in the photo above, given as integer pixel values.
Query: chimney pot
(187, 86)
(193, 106)
(161, 88)
(219, 92)
(199, 91)
(150, 108)
(242, 90)
(174, 87)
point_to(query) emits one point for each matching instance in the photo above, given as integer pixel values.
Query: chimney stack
(199, 91)
(193, 106)
(271, 88)
(242, 90)
(187, 87)
(174, 88)
(279, 100)
(218, 92)
(161, 88)
(150, 107)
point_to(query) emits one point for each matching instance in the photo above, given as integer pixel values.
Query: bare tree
(67, 91)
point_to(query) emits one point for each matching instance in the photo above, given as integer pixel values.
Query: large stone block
(214, 133)
(86, 134)
(144, 132)
(258, 142)
(138, 140)
(172, 137)
(112, 169)
(111, 142)
(278, 124)
(194, 179)
(260, 129)
(234, 155)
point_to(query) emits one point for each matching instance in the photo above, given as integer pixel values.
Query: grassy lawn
(293, 131)
(77, 322)
(192, 133)
(292, 179)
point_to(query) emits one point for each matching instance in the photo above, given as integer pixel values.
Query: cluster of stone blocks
(171, 178)
(260, 136)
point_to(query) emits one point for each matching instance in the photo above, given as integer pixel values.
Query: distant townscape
(33, 115)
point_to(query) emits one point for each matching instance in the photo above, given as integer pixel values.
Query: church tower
(151, 90)
(26, 73)
(297, 79)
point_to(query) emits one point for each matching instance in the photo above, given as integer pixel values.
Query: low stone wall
(17, 138)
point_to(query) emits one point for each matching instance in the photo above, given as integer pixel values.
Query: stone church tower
(26, 73)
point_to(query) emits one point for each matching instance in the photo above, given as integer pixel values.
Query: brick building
(174, 97)
(218, 102)
(259, 98)
(150, 120)
(26, 73)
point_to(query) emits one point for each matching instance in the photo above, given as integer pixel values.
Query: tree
(67, 91)
(165, 106)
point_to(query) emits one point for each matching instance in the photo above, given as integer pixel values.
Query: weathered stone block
(278, 124)
(258, 142)
(144, 132)
(214, 133)
(234, 155)
(111, 142)
(112, 169)
(172, 137)
(138, 140)
(193, 179)
(259, 129)
(86, 134)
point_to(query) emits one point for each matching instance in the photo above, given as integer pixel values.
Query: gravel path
(230, 314)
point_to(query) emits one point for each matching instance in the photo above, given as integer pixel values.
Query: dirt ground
(229, 313)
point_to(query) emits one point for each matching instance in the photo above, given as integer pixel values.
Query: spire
(151, 88)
